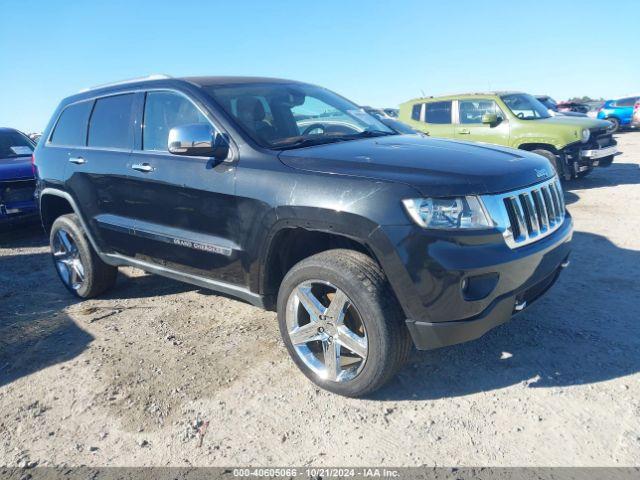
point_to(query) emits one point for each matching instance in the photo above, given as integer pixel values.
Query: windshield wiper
(300, 142)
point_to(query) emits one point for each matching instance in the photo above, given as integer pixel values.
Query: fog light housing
(478, 287)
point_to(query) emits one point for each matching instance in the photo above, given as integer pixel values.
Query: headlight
(458, 212)
(585, 135)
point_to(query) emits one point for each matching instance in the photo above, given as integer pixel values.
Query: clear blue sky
(376, 53)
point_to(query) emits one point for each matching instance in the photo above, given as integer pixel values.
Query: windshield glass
(548, 102)
(283, 116)
(14, 144)
(525, 106)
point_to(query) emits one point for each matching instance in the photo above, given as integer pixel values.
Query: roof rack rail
(155, 76)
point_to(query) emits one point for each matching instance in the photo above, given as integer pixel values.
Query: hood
(561, 119)
(433, 166)
(15, 168)
(571, 114)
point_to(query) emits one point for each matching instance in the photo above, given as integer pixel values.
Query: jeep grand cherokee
(294, 199)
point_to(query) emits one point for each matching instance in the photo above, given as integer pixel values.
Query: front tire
(77, 264)
(615, 122)
(341, 323)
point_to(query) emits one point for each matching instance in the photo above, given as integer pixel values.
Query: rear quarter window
(110, 123)
(71, 128)
(415, 112)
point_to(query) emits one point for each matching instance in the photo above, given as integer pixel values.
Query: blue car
(17, 179)
(619, 112)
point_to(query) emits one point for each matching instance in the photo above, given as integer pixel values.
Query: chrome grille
(527, 215)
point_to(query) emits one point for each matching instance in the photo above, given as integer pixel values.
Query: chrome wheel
(326, 331)
(67, 259)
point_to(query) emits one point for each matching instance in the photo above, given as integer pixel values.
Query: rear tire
(383, 343)
(77, 264)
(553, 159)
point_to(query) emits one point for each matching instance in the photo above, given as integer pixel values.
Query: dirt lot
(127, 379)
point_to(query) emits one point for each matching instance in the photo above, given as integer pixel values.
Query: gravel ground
(161, 373)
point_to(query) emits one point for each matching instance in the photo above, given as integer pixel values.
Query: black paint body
(167, 218)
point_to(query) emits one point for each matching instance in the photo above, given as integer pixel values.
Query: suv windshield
(284, 116)
(15, 144)
(525, 106)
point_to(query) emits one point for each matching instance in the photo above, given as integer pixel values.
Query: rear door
(470, 126)
(624, 109)
(438, 119)
(97, 172)
(181, 210)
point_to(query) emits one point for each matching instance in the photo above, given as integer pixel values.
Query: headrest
(250, 109)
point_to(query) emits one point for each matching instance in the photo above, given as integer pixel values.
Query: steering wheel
(312, 127)
(520, 114)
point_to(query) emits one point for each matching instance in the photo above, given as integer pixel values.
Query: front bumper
(595, 154)
(429, 282)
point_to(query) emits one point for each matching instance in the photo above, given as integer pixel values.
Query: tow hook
(520, 305)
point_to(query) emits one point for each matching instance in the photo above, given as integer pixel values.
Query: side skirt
(242, 293)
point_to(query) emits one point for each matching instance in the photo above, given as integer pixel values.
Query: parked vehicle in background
(573, 145)
(35, 136)
(619, 112)
(594, 108)
(574, 107)
(362, 239)
(17, 179)
(393, 123)
(635, 121)
(382, 112)
(552, 106)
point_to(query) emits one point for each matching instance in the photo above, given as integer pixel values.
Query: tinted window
(285, 116)
(71, 128)
(471, 111)
(14, 144)
(162, 112)
(415, 112)
(626, 102)
(110, 123)
(438, 112)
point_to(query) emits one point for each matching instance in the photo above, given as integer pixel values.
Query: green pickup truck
(573, 145)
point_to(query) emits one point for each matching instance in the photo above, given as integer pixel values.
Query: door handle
(464, 131)
(142, 167)
(77, 160)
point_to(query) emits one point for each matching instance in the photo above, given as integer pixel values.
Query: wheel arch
(53, 203)
(538, 146)
(293, 240)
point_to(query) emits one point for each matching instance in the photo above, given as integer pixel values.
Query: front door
(182, 208)
(470, 125)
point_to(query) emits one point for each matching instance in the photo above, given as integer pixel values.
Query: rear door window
(438, 112)
(110, 123)
(71, 128)
(626, 102)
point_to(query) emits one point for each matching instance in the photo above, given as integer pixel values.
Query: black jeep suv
(292, 198)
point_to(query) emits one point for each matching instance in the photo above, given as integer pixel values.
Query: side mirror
(490, 118)
(198, 140)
